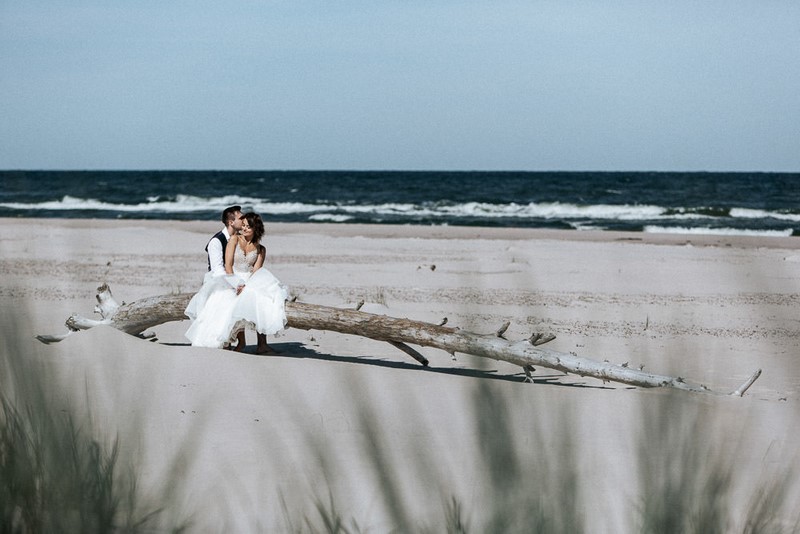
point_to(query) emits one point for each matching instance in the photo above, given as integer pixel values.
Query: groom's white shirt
(216, 256)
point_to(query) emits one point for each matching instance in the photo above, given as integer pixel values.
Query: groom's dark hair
(227, 213)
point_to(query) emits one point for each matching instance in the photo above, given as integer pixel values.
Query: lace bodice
(244, 263)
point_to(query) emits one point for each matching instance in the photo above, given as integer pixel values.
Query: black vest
(223, 240)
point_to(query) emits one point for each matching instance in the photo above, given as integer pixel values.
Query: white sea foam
(288, 208)
(552, 210)
(181, 204)
(717, 231)
(511, 210)
(746, 213)
(329, 217)
(587, 227)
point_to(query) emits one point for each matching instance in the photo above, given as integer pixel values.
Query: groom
(232, 219)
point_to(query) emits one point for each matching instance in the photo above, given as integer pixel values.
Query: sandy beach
(248, 443)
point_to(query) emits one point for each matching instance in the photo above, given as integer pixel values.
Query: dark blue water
(722, 203)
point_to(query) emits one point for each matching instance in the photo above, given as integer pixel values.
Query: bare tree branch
(136, 317)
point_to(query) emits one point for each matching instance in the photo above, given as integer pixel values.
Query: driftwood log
(136, 317)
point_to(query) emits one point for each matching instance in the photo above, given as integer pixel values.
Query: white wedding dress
(218, 313)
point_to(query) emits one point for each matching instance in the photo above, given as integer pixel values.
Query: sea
(723, 203)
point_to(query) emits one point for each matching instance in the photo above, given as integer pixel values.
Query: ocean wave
(716, 231)
(547, 211)
(745, 213)
(181, 204)
(329, 217)
(575, 214)
(482, 210)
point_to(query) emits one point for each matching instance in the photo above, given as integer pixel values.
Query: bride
(248, 296)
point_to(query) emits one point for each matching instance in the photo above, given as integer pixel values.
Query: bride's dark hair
(255, 222)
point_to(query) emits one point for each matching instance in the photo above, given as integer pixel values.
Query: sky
(401, 85)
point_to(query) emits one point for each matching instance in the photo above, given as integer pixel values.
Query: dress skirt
(261, 305)
(218, 313)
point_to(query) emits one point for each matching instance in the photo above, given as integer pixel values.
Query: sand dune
(357, 416)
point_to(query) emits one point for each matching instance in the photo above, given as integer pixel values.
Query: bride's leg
(241, 342)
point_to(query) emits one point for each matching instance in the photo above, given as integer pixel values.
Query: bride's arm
(262, 254)
(229, 250)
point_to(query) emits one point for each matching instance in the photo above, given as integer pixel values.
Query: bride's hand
(239, 289)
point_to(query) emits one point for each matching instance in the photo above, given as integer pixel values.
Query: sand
(251, 441)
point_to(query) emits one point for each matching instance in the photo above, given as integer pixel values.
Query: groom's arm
(215, 257)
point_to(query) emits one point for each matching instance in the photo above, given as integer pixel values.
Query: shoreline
(438, 232)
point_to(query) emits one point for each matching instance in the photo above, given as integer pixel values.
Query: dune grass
(687, 482)
(58, 472)
(55, 478)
